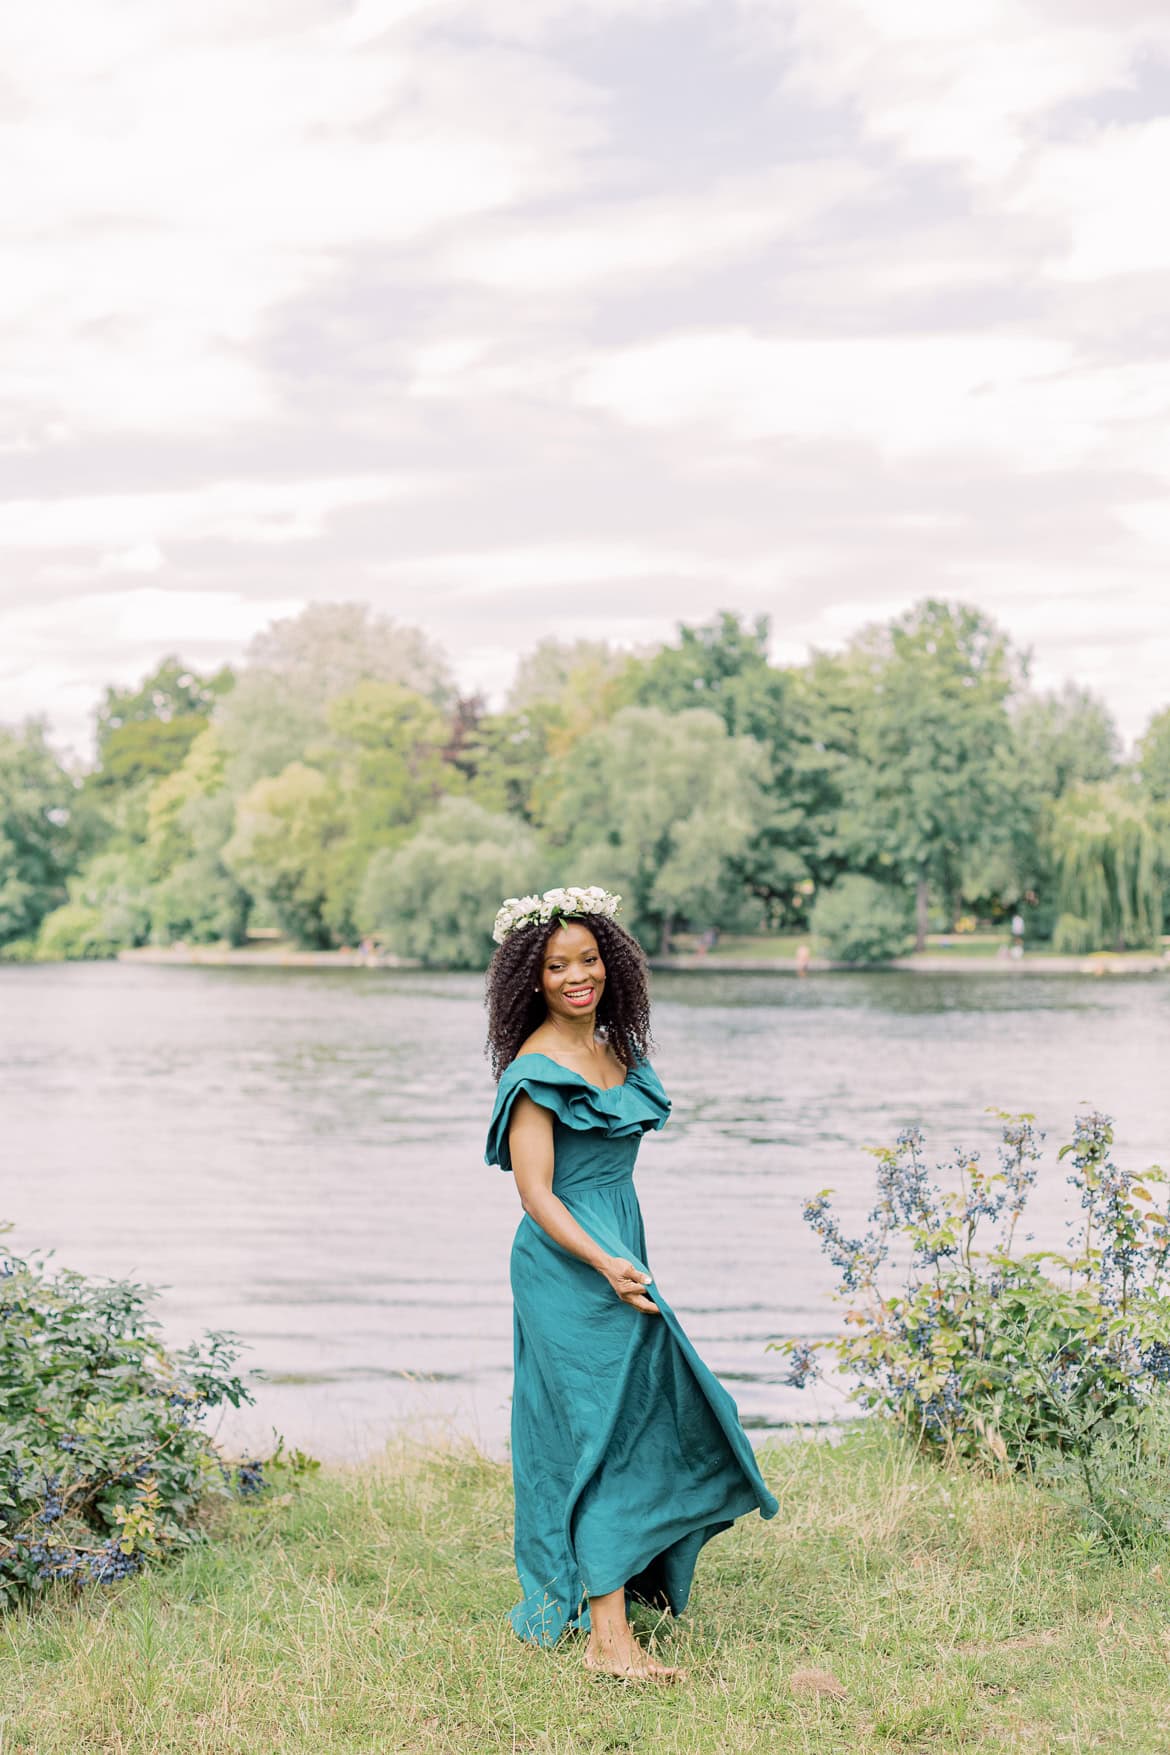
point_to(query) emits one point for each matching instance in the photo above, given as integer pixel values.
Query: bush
(104, 1466)
(982, 1354)
(861, 921)
(117, 886)
(74, 933)
(199, 903)
(1072, 936)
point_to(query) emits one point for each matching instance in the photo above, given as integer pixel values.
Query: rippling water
(298, 1155)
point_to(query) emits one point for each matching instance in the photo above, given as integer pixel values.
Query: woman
(627, 1455)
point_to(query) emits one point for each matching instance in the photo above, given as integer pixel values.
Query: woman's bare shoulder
(534, 1044)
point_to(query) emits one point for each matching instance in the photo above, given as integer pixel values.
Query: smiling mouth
(578, 995)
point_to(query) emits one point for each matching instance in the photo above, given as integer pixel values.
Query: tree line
(338, 786)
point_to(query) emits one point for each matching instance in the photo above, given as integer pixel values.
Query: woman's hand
(629, 1283)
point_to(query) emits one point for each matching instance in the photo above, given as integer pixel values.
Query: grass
(741, 944)
(782, 946)
(890, 1606)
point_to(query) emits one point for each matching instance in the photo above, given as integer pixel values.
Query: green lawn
(367, 1613)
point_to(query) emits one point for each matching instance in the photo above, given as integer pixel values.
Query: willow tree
(1154, 757)
(1110, 867)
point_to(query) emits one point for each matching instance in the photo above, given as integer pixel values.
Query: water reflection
(297, 1154)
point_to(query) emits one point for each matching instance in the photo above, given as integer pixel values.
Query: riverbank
(956, 962)
(267, 956)
(888, 1607)
(936, 963)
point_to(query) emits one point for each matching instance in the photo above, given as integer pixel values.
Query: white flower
(569, 902)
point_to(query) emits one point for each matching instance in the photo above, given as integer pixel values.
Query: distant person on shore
(707, 941)
(627, 1454)
(803, 959)
(1017, 935)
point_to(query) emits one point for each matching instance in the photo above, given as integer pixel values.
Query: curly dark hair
(514, 1010)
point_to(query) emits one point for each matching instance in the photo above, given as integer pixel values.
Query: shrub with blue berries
(104, 1464)
(985, 1351)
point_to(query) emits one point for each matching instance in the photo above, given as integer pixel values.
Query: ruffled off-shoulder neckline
(635, 1106)
(602, 1090)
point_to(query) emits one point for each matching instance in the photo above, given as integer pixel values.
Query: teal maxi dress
(627, 1454)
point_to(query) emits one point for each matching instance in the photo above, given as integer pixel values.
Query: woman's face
(573, 975)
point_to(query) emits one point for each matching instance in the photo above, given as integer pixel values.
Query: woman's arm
(530, 1141)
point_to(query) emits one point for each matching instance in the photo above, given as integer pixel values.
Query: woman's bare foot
(617, 1653)
(612, 1648)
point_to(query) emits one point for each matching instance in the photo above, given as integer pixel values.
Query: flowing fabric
(627, 1453)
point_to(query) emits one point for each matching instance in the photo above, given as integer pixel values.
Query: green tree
(561, 690)
(387, 761)
(1111, 865)
(173, 690)
(564, 671)
(661, 807)
(282, 850)
(1065, 738)
(388, 744)
(824, 707)
(723, 665)
(1062, 739)
(276, 714)
(934, 788)
(582, 687)
(146, 731)
(505, 755)
(45, 830)
(190, 819)
(436, 897)
(146, 749)
(199, 901)
(109, 908)
(201, 774)
(1154, 758)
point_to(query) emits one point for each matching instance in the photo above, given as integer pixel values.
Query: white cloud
(229, 511)
(566, 566)
(644, 238)
(164, 196)
(1150, 521)
(1025, 399)
(116, 637)
(967, 82)
(598, 312)
(1098, 195)
(1114, 641)
(143, 557)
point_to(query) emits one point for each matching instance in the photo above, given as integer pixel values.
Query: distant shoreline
(1037, 963)
(933, 963)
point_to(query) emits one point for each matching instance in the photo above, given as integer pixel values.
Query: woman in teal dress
(627, 1454)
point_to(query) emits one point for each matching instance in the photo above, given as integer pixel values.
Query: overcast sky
(518, 318)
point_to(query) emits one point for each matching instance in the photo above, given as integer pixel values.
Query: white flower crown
(530, 910)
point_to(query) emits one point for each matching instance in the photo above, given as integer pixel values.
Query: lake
(297, 1155)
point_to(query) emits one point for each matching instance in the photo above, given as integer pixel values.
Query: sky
(522, 318)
